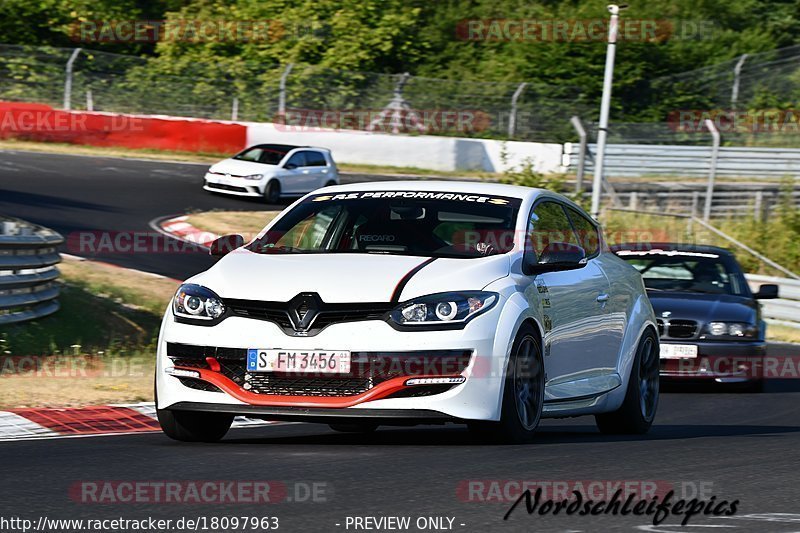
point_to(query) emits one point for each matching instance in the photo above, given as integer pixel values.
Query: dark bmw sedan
(708, 318)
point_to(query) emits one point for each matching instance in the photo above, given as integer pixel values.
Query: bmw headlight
(731, 329)
(446, 309)
(196, 302)
(253, 177)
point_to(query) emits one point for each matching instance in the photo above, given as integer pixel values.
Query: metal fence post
(235, 108)
(578, 125)
(758, 206)
(68, 79)
(712, 171)
(737, 73)
(282, 91)
(89, 101)
(512, 118)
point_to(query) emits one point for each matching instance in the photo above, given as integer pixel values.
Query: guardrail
(638, 160)
(784, 310)
(28, 256)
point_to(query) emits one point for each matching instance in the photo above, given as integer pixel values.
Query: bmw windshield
(421, 223)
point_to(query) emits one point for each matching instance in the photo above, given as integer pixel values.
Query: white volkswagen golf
(412, 303)
(272, 172)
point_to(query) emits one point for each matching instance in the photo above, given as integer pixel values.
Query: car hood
(241, 168)
(341, 278)
(703, 307)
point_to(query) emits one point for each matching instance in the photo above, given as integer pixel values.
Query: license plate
(678, 351)
(312, 362)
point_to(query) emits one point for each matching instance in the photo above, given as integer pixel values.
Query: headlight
(196, 302)
(253, 177)
(453, 309)
(731, 329)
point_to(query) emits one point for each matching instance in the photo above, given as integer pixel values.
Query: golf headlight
(455, 308)
(731, 329)
(254, 177)
(196, 302)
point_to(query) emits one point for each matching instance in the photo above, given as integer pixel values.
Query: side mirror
(225, 245)
(290, 166)
(766, 292)
(556, 256)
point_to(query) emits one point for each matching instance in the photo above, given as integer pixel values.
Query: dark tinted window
(298, 159)
(262, 154)
(424, 223)
(587, 232)
(549, 224)
(315, 159)
(672, 270)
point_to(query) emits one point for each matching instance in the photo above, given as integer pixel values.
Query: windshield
(423, 223)
(268, 155)
(686, 271)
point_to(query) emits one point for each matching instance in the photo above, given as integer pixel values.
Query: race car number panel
(316, 361)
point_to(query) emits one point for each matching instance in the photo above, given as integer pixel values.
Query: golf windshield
(422, 223)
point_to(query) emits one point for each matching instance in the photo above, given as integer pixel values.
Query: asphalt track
(730, 445)
(79, 195)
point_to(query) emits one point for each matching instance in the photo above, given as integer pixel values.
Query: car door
(572, 303)
(319, 168)
(297, 177)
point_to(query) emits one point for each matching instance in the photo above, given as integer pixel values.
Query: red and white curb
(180, 229)
(50, 422)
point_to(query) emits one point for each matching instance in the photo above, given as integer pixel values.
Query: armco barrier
(38, 122)
(28, 257)
(641, 160)
(785, 309)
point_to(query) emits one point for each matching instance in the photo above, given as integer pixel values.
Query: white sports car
(412, 303)
(272, 172)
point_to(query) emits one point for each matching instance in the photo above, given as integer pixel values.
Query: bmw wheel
(636, 414)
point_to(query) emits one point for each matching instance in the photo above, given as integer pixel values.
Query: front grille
(676, 329)
(367, 369)
(226, 187)
(327, 314)
(682, 329)
(289, 385)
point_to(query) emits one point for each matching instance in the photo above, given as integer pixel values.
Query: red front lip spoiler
(379, 391)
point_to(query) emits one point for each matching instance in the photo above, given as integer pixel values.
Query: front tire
(191, 426)
(272, 194)
(523, 393)
(638, 410)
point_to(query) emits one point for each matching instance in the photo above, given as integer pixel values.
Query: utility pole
(605, 105)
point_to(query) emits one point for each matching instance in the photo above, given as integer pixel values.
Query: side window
(298, 160)
(549, 224)
(587, 232)
(315, 159)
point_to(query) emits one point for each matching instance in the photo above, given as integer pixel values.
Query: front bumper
(478, 397)
(235, 186)
(724, 362)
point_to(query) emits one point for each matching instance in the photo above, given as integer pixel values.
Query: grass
(98, 348)
(248, 223)
(130, 288)
(778, 332)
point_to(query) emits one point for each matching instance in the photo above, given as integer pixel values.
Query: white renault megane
(412, 303)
